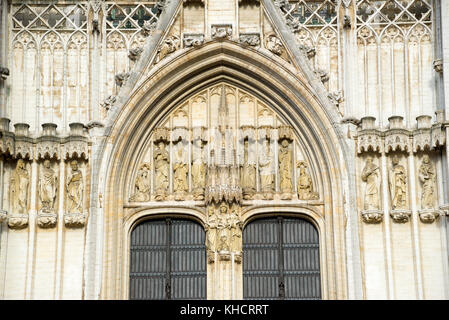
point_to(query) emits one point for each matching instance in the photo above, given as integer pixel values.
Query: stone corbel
(121, 78)
(193, 39)
(134, 54)
(397, 138)
(422, 136)
(3, 215)
(75, 220)
(47, 220)
(250, 39)
(369, 138)
(400, 216)
(429, 215)
(18, 221)
(372, 216)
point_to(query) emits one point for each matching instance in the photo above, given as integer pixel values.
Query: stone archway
(303, 122)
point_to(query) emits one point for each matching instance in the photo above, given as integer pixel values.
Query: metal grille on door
(168, 260)
(281, 260)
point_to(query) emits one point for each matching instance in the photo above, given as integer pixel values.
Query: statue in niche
(181, 171)
(199, 172)
(248, 175)
(222, 228)
(285, 169)
(266, 170)
(142, 185)
(427, 177)
(305, 183)
(398, 185)
(48, 185)
(19, 188)
(235, 226)
(161, 166)
(75, 189)
(369, 175)
(211, 229)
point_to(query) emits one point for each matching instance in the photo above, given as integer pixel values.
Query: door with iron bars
(281, 259)
(167, 260)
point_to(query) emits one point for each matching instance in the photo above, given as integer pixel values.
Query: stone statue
(427, 177)
(161, 166)
(248, 176)
(75, 189)
(199, 172)
(266, 170)
(398, 185)
(285, 168)
(48, 185)
(235, 226)
(211, 229)
(19, 188)
(142, 185)
(181, 171)
(222, 229)
(305, 184)
(369, 175)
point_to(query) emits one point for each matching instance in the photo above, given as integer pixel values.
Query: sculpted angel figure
(427, 178)
(19, 188)
(248, 175)
(369, 175)
(398, 185)
(75, 189)
(161, 166)
(48, 185)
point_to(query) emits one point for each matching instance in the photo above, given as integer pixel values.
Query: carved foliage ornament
(193, 40)
(221, 31)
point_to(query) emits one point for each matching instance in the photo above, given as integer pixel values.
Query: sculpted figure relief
(305, 184)
(248, 175)
(369, 175)
(75, 189)
(285, 169)
(222, 229)
(199, 172)
(48, 185)
(398, 185)
(142, 185)
(235, 226)
(266, 170)
(427, 177)
(161, 166)
(19, 188)
(181, 170)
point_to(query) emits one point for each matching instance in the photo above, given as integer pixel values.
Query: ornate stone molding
(372, 216)
(400, 216)
(121, 78)
(250, 39)
(7, 143)
(148, 27)
(3, 215)
(285, 132)
(161, 134)
(74, 220)
(369, 138)
(193, 39)
(221, 31)
(18, 221)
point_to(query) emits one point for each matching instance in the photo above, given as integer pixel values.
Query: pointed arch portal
(222, 95)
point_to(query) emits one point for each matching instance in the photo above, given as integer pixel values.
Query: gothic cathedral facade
(242, 149)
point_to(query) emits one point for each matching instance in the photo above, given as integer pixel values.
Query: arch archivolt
(219, 97)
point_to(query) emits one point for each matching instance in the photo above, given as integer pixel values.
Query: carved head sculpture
(223, 208)
(74, 165)
(20, 164)
(369, 160)
(161, 145)
(395, 160)
(47, 164)
(426, 159)
(284, 143)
